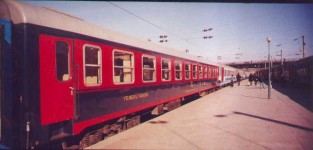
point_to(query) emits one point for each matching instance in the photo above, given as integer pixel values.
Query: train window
(187, 71)
(194, 71)
(148, 68)
(209, 72)
(205, 73)
(166, 69)
(200, 72)
(212, 73)
(123, 67)
(92, 65)
(215, 72)
(62, 61)
(178, 70)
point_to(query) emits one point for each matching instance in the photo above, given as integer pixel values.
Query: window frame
(142, 69)
(99, 65)
(200, 67)
(170, 69)
(209, 72)
(188, 64)
(133, 66)
(180, 71)
(68, 62)
(196, 71)
(205, 72)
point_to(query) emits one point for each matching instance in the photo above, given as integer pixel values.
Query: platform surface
(239, 117)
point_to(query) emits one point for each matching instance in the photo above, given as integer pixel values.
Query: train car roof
(20, 13)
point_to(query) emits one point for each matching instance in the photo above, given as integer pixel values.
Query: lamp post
(269, 39)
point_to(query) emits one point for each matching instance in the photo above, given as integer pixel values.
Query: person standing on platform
(251, 78)
(255, 79)
(261, 80)
(238, 77)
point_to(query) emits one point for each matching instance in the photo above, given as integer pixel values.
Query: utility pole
(303, 45)
(281, 57)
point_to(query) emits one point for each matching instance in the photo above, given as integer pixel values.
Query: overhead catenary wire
(193, 37)
(145, 20)
(149, 22)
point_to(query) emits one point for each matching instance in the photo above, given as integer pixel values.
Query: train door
(1, 47)
(56, 79)
(221, 73)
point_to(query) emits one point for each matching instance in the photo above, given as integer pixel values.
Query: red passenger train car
(61, 76)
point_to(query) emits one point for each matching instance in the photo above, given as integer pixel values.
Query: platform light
(269, 39)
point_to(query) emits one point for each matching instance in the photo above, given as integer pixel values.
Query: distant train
(62, 77)
(297, 74)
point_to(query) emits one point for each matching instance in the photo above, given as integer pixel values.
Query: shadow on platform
(275, 121)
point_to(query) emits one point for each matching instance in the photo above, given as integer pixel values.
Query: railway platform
(239, 117)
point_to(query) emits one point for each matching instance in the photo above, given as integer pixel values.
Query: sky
(239, 30)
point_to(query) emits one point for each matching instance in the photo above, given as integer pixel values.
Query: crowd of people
(257, 78)
(238, 78)
(253, 78)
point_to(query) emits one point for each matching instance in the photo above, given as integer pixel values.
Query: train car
(298, 73)
(62, 77)
(302, 73)
(228, 74)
